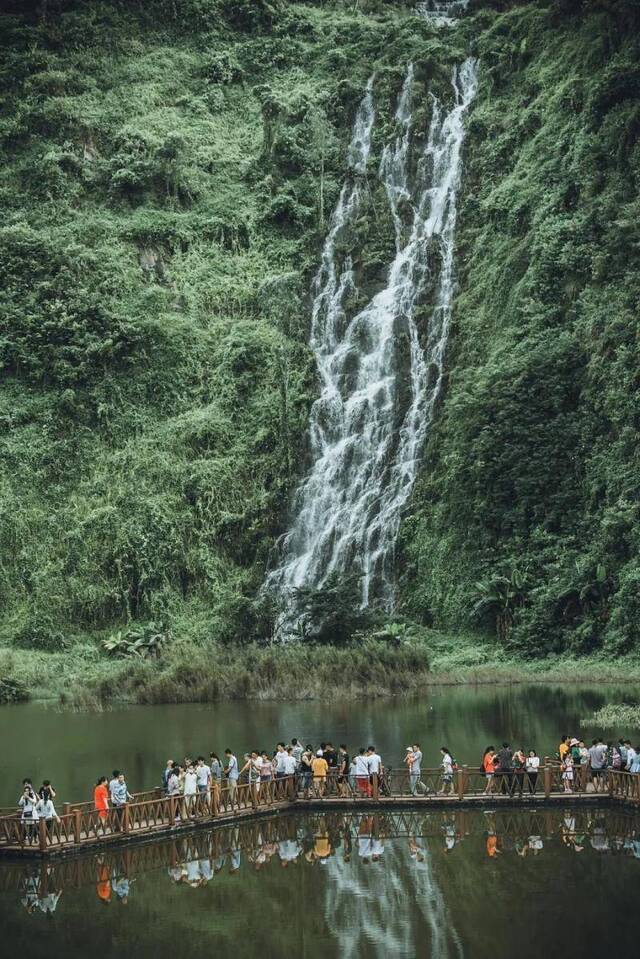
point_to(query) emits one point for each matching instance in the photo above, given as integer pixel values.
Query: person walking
(447, 772)
(101, 799)
(489, 768)
(532, 766)
(120, 795)
(413, 759)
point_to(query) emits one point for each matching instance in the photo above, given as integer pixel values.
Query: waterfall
(441, 12)
(378, 385)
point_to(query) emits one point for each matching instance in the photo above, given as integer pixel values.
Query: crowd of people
(506, 770)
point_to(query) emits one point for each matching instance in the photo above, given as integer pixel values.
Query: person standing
(190, 790)
(290, 764)
(231, 772)
(343, 770)
(29, 814)
(166, 773)
(532, 767)
(296, 749)
(598, 762)
(519, 763)
(46, 810)
(375, 765)
(505, 768)
(320, 769)
(567, 772)
(631, 755)
(203, 780)
(306, 770)
(279, 760)
(101, 798)
(362, 773)
(120, 795)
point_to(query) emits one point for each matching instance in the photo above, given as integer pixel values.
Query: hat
(574, 742)
(319, 753)
(409, 749)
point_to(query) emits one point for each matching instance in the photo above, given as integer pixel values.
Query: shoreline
(82, 678)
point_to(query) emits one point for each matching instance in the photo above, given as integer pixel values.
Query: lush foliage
(167, 172)
(533, 462)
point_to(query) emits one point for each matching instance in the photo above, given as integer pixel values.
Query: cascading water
(378, 390)
(441, 11)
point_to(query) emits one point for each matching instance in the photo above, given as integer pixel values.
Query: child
(567, 772)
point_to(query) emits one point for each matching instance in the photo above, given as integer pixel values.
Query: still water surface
(73, 749)
(447, 884)
(556, 882)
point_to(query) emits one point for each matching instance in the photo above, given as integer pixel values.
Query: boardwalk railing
(81, 824)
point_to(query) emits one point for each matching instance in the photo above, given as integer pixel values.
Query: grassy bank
(83, 677)
(614, 717)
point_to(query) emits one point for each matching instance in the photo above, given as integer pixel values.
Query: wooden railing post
(546, 778)
(77, 825)
(254, 795)
(291, 789)
(460, 779)
(214, 799)
(610, 782)
(66, 808)
(42, 834)
(375, 787)
(125, 818)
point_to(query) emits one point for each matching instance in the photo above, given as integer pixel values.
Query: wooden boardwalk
(152, 815)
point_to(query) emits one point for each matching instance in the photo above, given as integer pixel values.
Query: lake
(406, 884)
(495, 883)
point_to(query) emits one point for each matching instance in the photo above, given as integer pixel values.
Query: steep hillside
(168, 171)
(529, 492)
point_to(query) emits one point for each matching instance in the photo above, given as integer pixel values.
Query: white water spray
(378, 389)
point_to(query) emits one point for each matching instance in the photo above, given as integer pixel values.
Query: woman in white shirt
(532, 765)
(190, 789)
(447, 771)
(29, 815)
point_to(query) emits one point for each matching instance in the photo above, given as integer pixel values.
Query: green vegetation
(614, 717)
(167, 172)
(533, 462)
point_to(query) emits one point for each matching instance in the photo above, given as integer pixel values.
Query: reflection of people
(416, 851)
(103, 885)
(492, 845)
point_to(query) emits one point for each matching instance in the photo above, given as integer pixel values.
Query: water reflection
(379, 880)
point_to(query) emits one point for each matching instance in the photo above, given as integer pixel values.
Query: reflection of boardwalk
(380, 872)
(153, 815)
